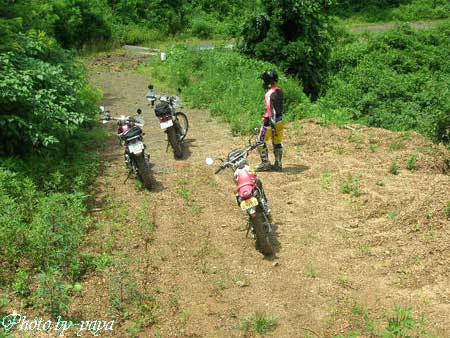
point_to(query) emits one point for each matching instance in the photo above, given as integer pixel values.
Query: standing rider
(273, 124)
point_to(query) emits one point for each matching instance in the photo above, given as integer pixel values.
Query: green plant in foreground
(393, 168)
(351, 186)
(401, 324)
(412, 163)
(326, 180)
(260, 323)
(447, 210)
(52, 293)
(311, 271)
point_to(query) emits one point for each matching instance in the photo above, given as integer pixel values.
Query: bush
(297, 36)
(74, 23)
(395, 10)
(202, 28)
(45, 96)
(396, 80)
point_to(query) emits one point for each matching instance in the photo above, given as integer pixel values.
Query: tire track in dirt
(203, 277)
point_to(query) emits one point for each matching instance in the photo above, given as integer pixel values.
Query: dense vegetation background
(398, 80)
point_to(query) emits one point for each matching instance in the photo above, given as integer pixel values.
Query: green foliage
(55, 232)
(73, 23)
(260, 323)
(398, 80)
(21, 284)
(52, 293)
(103, 261)
(400, 324)
(447, 210)
(44, 95)
(227, 83)
(42, 198)
(412, 162)
(392, 10)
(393, 168)
(351, 186)
(167, 15)
(297, 36)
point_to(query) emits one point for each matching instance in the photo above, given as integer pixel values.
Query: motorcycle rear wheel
(183, 125)
(143, 167)
(173, 140)
(263, 243)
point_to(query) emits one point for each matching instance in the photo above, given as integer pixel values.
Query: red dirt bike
(130, 136)
(174, 123)
(250, 196)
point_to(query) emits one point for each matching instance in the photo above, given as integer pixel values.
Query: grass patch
(43, 198)
(326, 180)
(393, 168)
(447, 210)
(260, 323)
(412, 163)
(212, 83)
(311, 271)
(351, 186)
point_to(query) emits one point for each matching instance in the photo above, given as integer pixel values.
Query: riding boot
(278, 153)
(264, 154)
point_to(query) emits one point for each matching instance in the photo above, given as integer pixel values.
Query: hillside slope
(183, 267)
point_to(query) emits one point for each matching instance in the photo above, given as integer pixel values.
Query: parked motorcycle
(250, 196)
(130, 136)
(175, 124)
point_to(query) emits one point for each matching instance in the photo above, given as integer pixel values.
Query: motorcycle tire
(143, 167)
(263, 243)
(173, 140)
(183, 125)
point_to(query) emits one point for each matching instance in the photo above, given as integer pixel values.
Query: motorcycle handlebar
(227, 164)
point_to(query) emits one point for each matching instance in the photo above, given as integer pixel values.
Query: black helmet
(269, 77)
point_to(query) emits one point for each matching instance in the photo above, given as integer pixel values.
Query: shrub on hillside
(397, 80)
(295, 35)
(44, 94)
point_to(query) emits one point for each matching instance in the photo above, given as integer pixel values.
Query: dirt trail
(198, 275)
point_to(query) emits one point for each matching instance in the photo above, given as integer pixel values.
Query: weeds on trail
(345, 282)
(351, 186)
(373, 147)
(447, 210)
(186, 193)
(412, 163)
(311, 271)
(393, 168)
(260, 323)
(365, 250)
(393, 215)
(52, 293)
(400, 324)
(326, 180)
(397, 146)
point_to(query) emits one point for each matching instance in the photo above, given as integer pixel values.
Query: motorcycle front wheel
(262, 236)
(143, 167)
(173, 140)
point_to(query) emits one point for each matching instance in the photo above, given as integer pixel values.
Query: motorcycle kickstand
(248, 230)
(168, 145)
(128, 176)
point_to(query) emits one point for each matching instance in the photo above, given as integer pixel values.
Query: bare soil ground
(183, 267)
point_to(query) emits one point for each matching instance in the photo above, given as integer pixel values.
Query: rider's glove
(267, 121)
